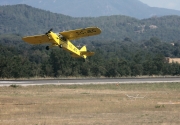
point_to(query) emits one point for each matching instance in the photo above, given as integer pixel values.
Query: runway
(87, 81)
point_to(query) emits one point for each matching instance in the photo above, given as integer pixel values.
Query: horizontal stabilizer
(88, 53)
(84, 54)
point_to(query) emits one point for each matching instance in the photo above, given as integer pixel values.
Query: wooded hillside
(26, 20)
(126, 47)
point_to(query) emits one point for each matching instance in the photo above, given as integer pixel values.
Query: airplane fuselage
(65, 44)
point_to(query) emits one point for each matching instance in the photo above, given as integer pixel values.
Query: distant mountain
(95, 8)
(26, 20)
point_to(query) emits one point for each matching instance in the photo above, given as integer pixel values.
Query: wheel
(47, 47)
(60, 46)
(84, 60)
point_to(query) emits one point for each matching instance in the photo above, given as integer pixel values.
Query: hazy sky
(170, 4)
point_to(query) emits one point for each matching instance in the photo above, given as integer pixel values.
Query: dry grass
(91, 104)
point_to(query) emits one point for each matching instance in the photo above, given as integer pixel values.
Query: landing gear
(47, 47)
(84, 60)
(60, 46)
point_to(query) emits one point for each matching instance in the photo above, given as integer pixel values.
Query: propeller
(49, 31)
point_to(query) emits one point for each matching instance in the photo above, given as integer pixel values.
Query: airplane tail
(83, 48)
(84, 52)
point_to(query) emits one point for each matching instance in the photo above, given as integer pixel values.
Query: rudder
(84, 52)
(83, 49)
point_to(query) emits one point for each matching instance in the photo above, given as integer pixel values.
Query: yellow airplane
(63, 40)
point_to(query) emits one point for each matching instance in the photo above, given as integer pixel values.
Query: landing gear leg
(84, 60)
(47, 47)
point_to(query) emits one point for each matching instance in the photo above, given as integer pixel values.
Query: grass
(90, 104)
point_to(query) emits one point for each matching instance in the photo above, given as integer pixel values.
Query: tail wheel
(47, 47)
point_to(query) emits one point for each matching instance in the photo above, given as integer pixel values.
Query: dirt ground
(141, 104)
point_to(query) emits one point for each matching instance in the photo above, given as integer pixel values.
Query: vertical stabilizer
(84, 52)
(83, 49)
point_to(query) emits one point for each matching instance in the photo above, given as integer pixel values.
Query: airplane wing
(38, 39)
(80, 33)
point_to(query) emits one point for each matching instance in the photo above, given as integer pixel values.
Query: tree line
(112, 59)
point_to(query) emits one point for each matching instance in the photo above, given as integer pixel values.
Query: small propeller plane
(62, 40)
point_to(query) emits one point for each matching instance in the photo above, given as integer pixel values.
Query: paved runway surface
(87, 81)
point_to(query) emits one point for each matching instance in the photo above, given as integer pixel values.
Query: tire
(60, 46)
(47, 47)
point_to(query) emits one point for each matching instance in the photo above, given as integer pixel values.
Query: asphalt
(87, 81)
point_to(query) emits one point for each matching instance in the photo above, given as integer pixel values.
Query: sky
(169, 4)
